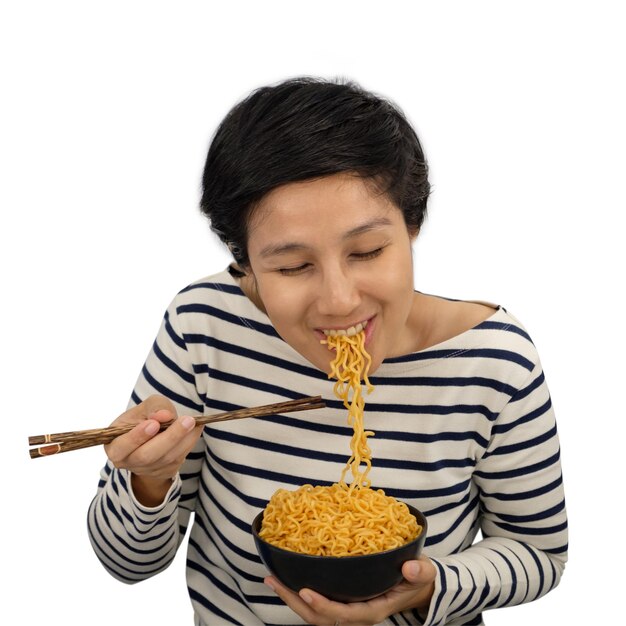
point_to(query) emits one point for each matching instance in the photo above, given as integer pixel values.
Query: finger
(155, 403)
(161, 415)
(329, 611)
(292, 600)
(419, 572)
(124, 445)
(166, 447)
(148, 450)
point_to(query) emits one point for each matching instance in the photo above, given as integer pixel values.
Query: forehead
(339, 201)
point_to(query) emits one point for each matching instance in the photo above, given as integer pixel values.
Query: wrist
(149, 491)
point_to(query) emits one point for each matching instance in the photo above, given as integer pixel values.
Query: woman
(319, 189)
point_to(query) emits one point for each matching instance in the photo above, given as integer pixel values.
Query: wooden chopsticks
(77, 439)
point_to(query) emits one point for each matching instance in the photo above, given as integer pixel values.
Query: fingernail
(188, 422)
(414, 569)
(152, 428)
(307, 597)
(269, 584)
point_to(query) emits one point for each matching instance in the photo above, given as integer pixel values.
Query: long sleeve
(523, 521)
(132, 541)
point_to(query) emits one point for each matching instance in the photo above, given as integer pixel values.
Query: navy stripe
(232, 289)
(470, 596)
(207, 309)
(119, 559)
(530, 530)
(178, 341)
(535, 384)
(173, 366)
(152, 521)
(215, 533)
(469, 353)
(206, 603)
(533, 517)
(442, 381)
(523, 445)
(235, 521)
(254, 355)
(259, 503)
(520, 471)
(251, 383)
(525, 495)
(511, 328)
(444, 587)
(498, 429)
(450, 505)
(557, 550)
(309, 453)
(433, 409)
(468, 510)
(513, 575)
(238, 571)
(535, 558)
(168, 393)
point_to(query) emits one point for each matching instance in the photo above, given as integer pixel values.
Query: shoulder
(484, 330)
(216, 303)
(218, 285)
(440, 319)
(213, 294)
(502, 337)
(216, 291)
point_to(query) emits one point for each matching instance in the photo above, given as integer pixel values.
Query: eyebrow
(286, 248)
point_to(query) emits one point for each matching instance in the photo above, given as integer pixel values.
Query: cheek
(396, 277)
(284, 304)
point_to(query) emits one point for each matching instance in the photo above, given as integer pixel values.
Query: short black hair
(305, 128)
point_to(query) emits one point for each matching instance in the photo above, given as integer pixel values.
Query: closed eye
(293, 271)
(359, 256)
(364, 256)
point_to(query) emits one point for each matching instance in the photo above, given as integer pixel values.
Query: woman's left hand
(414, 592)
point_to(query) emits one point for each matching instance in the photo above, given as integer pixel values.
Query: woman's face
(330, 254)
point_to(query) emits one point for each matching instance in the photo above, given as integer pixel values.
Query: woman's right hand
(153, 457)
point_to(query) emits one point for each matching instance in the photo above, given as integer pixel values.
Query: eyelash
(293, 271)
(359, 256)
(364, 256)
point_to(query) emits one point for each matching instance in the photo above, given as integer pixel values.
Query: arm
(147, 488)
(524, 526)
(523, 551)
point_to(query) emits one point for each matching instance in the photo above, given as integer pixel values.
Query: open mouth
(348, 332)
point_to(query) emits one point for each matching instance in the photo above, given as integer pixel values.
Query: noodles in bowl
(332, 521)
(328, 538)
(340, 578)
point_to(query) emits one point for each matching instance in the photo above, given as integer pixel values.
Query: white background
(107, 111)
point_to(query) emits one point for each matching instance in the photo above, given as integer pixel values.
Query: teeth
(350, 332)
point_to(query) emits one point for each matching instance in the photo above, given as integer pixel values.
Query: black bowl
(340, 578)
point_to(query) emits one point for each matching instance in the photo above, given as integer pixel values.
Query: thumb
(419, 572)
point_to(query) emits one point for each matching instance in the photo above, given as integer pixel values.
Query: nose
(339, 294)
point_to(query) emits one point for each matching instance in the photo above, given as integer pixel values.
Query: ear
(249, 286)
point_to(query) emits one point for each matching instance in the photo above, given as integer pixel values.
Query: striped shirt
(465, 432)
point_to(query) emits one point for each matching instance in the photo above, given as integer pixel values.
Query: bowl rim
(412, 510)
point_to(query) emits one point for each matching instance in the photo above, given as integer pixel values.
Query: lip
(369, 329)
